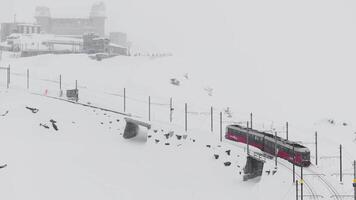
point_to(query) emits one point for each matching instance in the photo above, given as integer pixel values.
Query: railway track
(334, 194)
(313, 194)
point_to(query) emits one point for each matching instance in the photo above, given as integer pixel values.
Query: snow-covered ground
(88, 158)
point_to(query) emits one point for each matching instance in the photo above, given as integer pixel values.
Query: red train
(270, 144)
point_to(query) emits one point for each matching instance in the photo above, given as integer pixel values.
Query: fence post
(28, 79)
(211, 119)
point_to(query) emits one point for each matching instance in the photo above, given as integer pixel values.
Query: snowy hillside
(87, 158)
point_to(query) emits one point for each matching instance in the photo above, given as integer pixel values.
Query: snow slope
(87, 159)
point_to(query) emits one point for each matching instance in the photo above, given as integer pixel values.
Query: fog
(298, 49)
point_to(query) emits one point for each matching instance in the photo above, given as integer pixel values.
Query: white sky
(232, 28)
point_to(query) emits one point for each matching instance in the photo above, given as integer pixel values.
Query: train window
(306, 156)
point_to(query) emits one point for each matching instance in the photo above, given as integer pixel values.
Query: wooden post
(124, 99)
(287, 136)
(28, 79)
(211, 119)
(340, 163)
(149, 108)
(186, 116)
(220, 126)
(316, 148)
(301, 183)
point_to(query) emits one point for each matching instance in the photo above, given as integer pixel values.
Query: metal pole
(8, 77)
(294, 165)
(340, 163)
(28, 79)
(316, 148)
(124, 99)
(186, 116)
(275, 149)
(170, 109)
(220, 126)
(60, 82)
(248, 139)
(211, 119)
(9, 74)
(149, 108)
(354, 181)
(301, 182)
(287, 136)
(296, 190)
(76, 84)
(251, 120)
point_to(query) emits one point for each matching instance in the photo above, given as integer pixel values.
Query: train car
(266, 142)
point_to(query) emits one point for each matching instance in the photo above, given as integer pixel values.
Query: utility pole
(340, 163)
(316, 148)
(301, 182)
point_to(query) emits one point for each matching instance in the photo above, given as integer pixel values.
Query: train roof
(271, 136)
